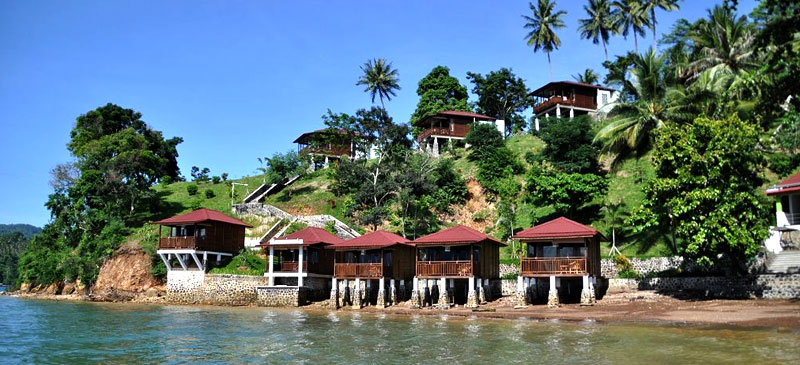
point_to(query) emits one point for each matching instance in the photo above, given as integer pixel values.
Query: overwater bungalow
(458, 263)
(195, 237)
(300, 260)
(450, 128)
(571, 99)
(559, 251)
(369, 261)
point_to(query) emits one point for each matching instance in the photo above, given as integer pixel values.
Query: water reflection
(45, 332)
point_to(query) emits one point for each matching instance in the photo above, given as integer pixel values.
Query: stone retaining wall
(642, 266)
(278, 296)
(770, 286)
(195, 287)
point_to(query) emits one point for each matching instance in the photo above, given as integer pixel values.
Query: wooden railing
(444, 268)
(358, 270)
(334, 150)
(290, 266)
(553, 266)
(440, 132)
(580, 101)
(186, 242)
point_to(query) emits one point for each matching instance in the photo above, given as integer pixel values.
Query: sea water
(41, 331)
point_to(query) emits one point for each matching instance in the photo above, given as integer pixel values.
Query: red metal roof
(457, 234)
(324, 131)
(558, 228)
(377, 239)
(202, 215)
(311, 236)
(789, 185)
(458, 113)
(570, 83)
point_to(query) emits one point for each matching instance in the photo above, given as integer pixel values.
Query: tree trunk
(551, 66)
(636, 42)
(605, 50)
(382, 106)
(653, 17)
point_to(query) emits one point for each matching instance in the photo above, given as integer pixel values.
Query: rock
(25, 287)
(126, 271)
(152, 293)
(53, 289)
(69, 288)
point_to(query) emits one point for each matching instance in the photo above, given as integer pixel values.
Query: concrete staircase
(785, 262)
(263, 191)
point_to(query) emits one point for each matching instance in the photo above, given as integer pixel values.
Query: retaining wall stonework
(643, 266)
(195, 287)
(277, 296)
(769, 286)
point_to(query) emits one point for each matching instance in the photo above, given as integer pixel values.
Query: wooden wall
(403, 262)
(223, 237)
(488, 261)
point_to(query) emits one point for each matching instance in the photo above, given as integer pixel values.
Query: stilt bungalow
(570, 99)
(450, 128)
(457, 265)
(558, 251)
(195, 237)
(366, 263)
(325, 146)
(300, 260)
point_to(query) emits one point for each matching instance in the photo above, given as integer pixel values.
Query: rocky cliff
(126, 275)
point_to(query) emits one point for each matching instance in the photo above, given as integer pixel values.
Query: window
(549, 250)
(605, 98)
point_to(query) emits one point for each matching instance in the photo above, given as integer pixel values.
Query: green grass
(245, 263)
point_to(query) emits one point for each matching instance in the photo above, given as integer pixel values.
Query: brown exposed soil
(476, 203)
(125, 275)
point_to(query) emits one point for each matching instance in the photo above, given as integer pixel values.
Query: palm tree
(631, 16)
(543, 24)
(587, 77)
(633, 121)
(650, 7)
(724, 41)
(379, 79)
(601, 23)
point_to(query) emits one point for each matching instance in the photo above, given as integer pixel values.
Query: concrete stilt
(392, 293)
(347, 294)
(487, 290)
(552, 295)
(414, 293)
(356, 297)
(531, 290)
(481, 293)
(401, 291)
(592, 285)
(519, 294)
(444, 301)
(426, 290)
(334, 302)
(381, 301)
(586, 293)
(472, 295)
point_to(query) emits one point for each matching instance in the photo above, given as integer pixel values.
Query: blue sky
(242, 79)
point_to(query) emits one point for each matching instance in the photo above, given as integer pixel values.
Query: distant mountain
(26, 229)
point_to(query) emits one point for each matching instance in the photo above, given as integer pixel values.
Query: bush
(294, 227)
(224, 176)
(628, 274)
(622, 263)
(510, 276)
(209, 193)
(247, 262)
(191, 189)
(215, 179)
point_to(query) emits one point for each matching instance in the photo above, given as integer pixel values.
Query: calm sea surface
(58, 332)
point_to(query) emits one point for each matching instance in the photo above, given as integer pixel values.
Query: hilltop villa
(193, 237)
(787, 214)
(369, 261)
(455, 266)
(300, 260)
(569, 98)
(563, 251)
(450, 128)
(327, 145)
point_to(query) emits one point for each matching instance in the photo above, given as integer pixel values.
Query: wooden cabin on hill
(450, 128)
(784, 234)
(458, 264)
(192, 237)
(372, 259)
(571, 99)
(560, 251)
(326, 146)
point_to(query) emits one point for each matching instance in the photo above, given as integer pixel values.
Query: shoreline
(636, 307)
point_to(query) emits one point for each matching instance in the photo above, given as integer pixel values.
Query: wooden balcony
(289, 266)
(362, 271)
(558, 266)
(580, 101)
(458, 132)
(331, 150)
(456, 269)
(186, 242)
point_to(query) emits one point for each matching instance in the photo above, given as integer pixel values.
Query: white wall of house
(606, 99)
(499, 124)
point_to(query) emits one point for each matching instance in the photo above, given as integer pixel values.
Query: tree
(707, 188)
(12, 245)
(543, 25)
(118, 158)
(650, 7)
(495, 161)
(380, 79)
(502, 95)
(282, 166)
(569, 145)
(200, 174)
(438, 91)
(600, 24)
(483, 137)
(632, 16)
(724, 41)
(587, 77)
(566, 192)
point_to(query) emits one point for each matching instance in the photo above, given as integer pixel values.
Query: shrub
(224, 176)
(628, 274)
(209, 193)
(215, 179)
(330, 226)
(191, 189)
(294, 227)
(622, 263)
(510, 276)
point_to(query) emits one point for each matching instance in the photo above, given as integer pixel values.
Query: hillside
(310, 195)
(26, 229)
